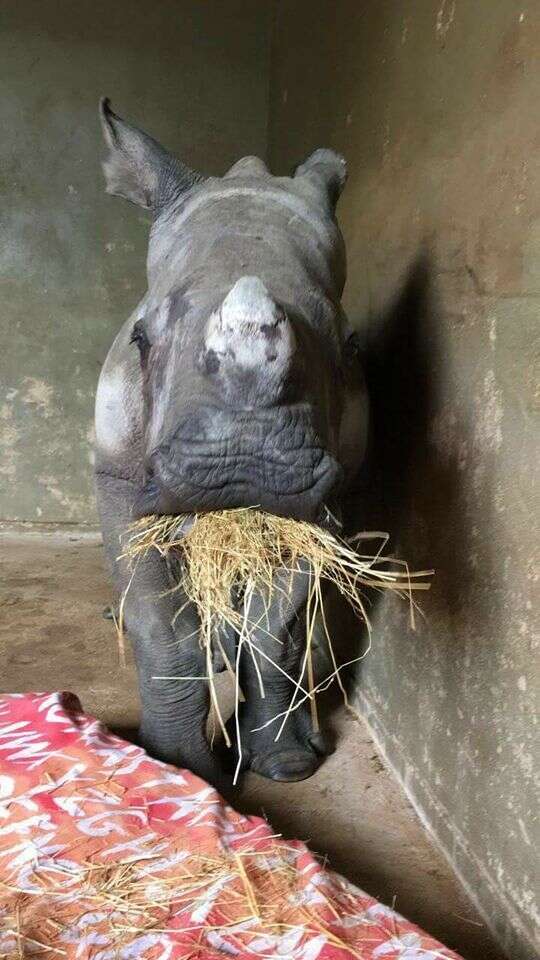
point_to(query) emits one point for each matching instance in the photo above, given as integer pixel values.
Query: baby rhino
(234, 383)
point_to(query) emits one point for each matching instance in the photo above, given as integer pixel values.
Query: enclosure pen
(226, 556)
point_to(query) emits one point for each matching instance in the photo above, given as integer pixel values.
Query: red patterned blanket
(107, 854)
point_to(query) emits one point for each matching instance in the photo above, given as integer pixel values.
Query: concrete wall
(71, 259)
(434, 104)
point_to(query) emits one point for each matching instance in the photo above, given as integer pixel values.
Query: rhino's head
(241, 334)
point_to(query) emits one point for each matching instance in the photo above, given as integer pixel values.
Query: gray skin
(234, 383)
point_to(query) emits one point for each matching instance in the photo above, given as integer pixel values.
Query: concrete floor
(53, 587)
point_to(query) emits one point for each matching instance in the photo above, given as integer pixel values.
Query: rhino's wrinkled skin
(232, 384)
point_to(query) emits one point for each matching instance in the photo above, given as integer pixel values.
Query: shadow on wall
(412, 488)
(399, 373)
(396, 353)
(395, 356)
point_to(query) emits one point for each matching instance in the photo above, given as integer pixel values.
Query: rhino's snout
(220, 459)
(249, 345)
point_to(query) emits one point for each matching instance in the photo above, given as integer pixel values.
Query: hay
(260, 895)
(230, 555)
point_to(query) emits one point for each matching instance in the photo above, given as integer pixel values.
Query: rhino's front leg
(273, 662)
(174, 711)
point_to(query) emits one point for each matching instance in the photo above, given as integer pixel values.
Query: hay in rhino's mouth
(225, 554)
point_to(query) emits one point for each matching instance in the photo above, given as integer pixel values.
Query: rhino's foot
(296, 755)
(290, 763)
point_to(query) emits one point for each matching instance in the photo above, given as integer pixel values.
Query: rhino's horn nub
(249, 302)
(250, 331)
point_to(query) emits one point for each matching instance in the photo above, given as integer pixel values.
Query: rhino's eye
(138, 336)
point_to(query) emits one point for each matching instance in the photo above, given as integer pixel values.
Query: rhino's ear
(137, 167)
(328, 170)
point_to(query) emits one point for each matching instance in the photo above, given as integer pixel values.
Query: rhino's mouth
(214, 462)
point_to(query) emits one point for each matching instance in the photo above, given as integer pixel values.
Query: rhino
(234, 383)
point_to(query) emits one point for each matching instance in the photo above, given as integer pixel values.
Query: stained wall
(433, 104)
(195, 75)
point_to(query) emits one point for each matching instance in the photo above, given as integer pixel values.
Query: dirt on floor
(53, 588)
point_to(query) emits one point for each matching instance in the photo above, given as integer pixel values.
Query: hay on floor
(260, 896)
